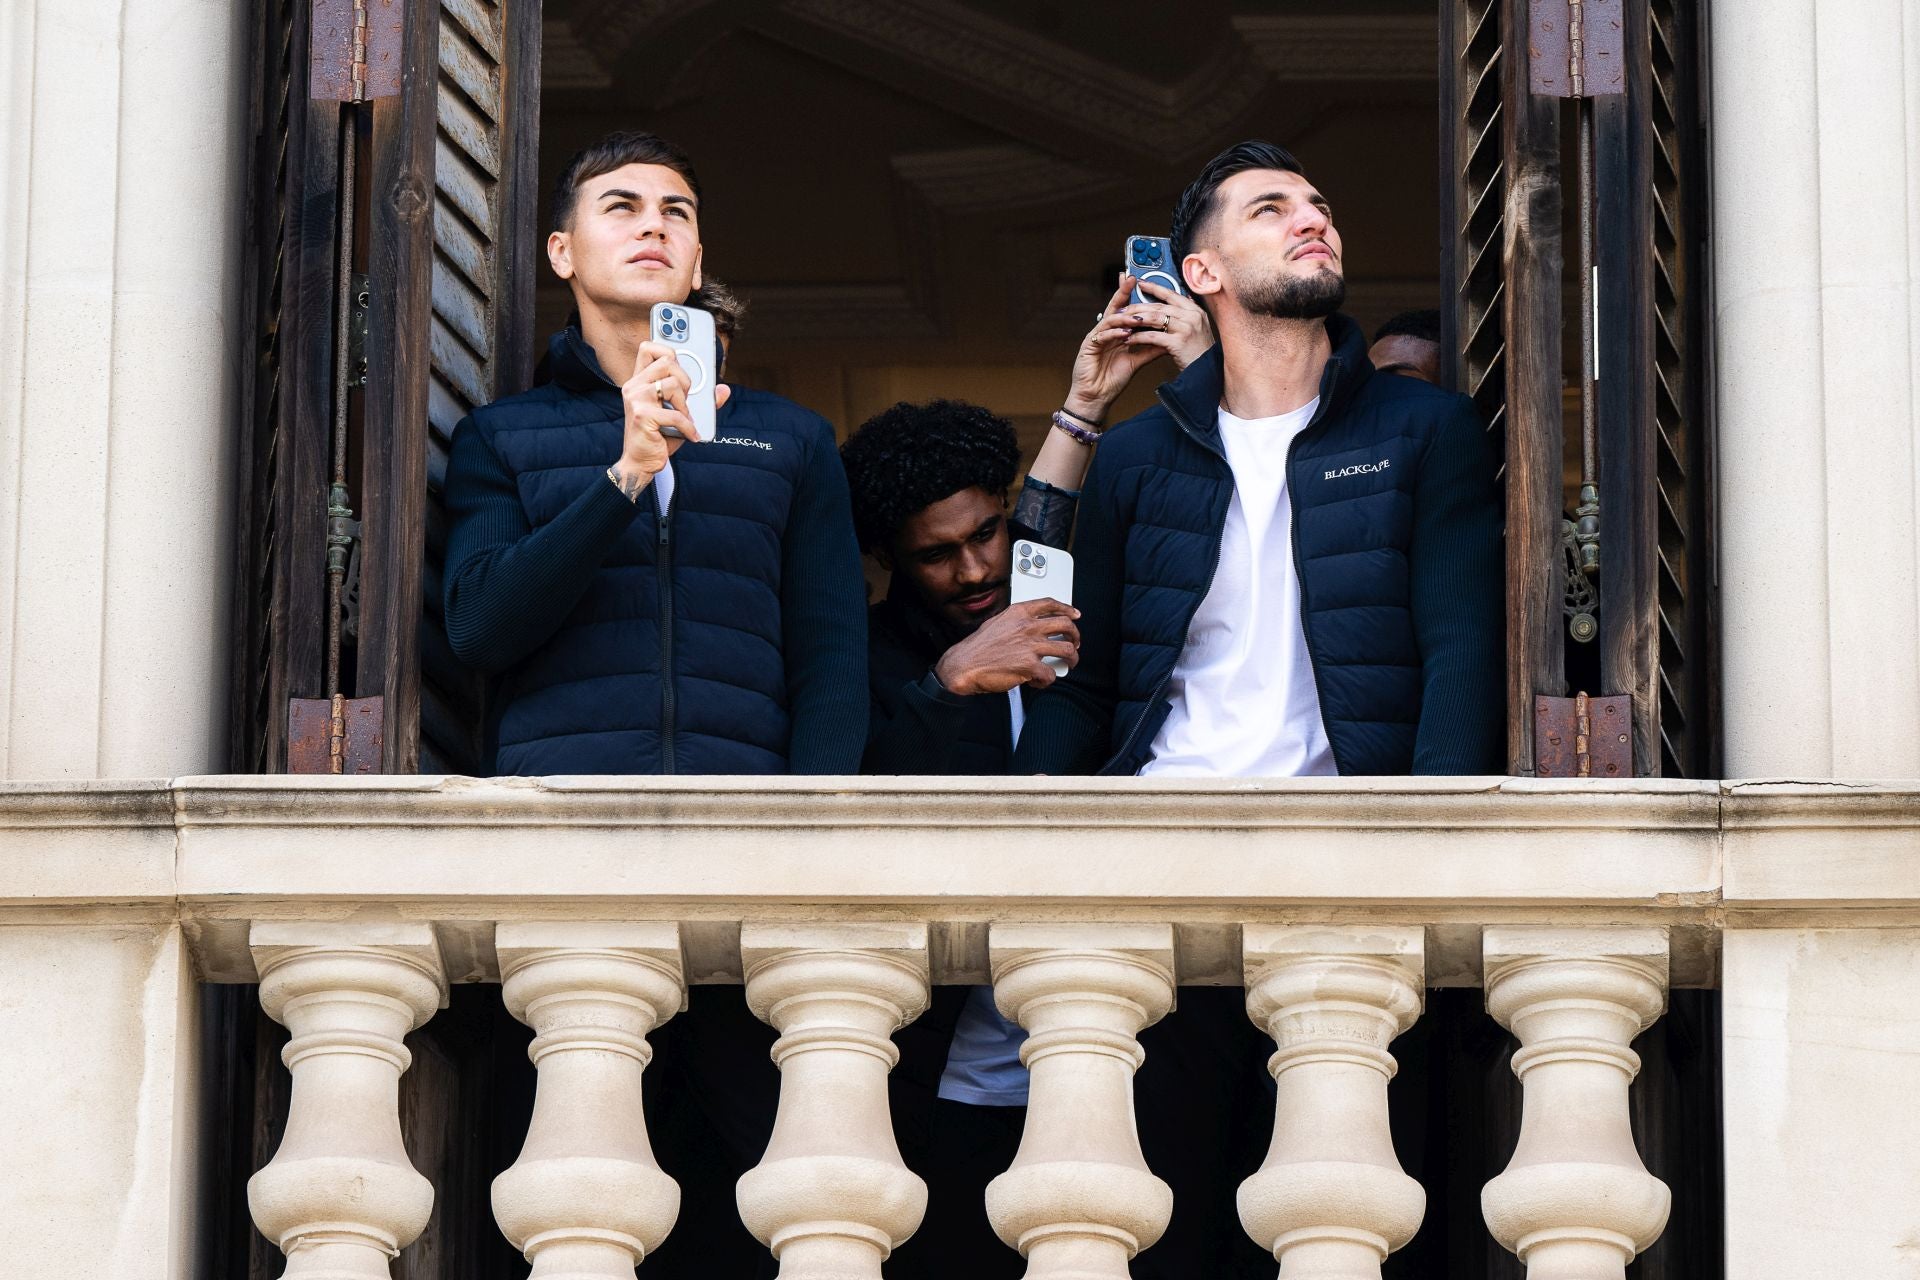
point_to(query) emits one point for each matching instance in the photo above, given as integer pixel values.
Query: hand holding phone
(1150, 259)
(1041, 572)
(688, 334)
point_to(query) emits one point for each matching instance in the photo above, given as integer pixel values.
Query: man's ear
(883, 556)
(699, 256)
(1200, 274)
(560, 255)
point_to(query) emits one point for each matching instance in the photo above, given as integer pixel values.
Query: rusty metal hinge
(1576, 48)
(1583, 737)
(335, 735)
(357, 50)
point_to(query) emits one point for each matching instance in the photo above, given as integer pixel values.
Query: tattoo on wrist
(628, 484)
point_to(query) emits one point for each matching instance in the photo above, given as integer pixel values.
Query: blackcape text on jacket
(728, 636)
(1397, 540)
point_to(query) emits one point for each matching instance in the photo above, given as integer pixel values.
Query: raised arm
(1125, 339)
(1069, 725)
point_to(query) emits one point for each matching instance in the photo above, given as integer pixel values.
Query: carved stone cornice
(1336, 46)
(1451, 854)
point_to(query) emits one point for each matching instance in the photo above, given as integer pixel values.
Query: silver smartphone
(689, 331)
(1041, 572)
(1151, 258)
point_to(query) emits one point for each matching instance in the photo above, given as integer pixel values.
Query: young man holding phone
(655, 602)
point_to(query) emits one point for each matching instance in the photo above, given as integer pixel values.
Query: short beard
(1312, 297)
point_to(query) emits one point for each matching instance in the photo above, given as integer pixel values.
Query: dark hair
(1195, 205)
(616, 151)
(1424, 325)
(907, 458)
(729, 308)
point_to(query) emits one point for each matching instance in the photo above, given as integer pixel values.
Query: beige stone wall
(1816, 238)
(99, 1067)
(121, 193)
(1822, 1123)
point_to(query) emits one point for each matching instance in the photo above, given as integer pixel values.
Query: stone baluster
(832, 1198)
(1575, 1203)
(585, 1200)
(1079, 1201)
(340, 1197)
(1331, 1200)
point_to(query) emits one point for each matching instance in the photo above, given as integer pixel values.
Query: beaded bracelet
(1065, 422)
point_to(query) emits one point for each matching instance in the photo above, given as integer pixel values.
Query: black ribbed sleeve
(509, 586)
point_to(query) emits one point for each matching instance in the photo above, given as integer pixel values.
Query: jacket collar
(574, 365)
(1194, 397)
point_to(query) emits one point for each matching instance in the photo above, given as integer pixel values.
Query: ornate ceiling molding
(566, 63)
(1048, 78)
(1366, 46)
(998, 178)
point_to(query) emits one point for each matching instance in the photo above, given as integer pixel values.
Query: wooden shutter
(486, 253)
(1501, 210)
(291, 253)
(1688, 671)
(423, 267)
(1502, 203)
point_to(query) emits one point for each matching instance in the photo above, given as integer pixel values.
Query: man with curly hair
(949, 665)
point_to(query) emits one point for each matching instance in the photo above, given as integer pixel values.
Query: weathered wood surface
(1533, 269)
(1629, 635)
(393, 475)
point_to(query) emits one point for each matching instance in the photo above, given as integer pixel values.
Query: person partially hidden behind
(654, 605)
(1292, 565)
(951, 665)
(1409, 345)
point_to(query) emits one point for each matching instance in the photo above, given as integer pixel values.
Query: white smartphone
(689, 331)
(1041, 572)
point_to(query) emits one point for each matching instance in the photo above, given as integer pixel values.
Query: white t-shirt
(1244, 701)
(663, 490)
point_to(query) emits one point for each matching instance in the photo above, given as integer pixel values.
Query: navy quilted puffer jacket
(728, 638)
(1397, 539)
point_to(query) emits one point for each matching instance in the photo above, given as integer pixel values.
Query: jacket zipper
(1219, 538)
(664, 568)
(1219, 544)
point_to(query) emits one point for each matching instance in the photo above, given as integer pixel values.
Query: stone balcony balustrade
(1336, 904)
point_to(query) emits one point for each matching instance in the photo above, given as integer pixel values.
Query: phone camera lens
(1039, 562)
(666, 330)
(1026, 566)
(681, 325)
(1025, 551)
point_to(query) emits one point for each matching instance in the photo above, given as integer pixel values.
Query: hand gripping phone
(1151, 258)
(689, 331)
(1041, 572)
